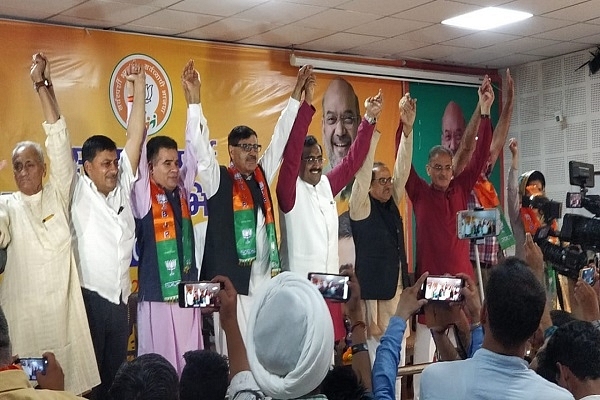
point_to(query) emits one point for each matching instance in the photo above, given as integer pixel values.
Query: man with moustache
(309, 223)
(462, 146)
(241, 241)
(341, 117)
(104, 234)
(381, 265)
(435, 206)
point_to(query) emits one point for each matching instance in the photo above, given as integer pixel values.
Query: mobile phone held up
(199, 294)
(477, 224)
(331, 286)
(33, 365)
(443, 288)
(588, 274)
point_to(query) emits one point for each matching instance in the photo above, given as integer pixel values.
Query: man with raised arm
(381, 265)
(309, 223)
(241, 241)
(439, 251)
(165, 236)
(104, 234)
(40, 292)
(462, 146)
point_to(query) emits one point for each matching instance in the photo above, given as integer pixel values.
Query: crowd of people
(74, 235)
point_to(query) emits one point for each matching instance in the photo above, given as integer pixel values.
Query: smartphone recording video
(573, 200)
(199, 294)
(33, 365)
(588, 274)
(331, 286)
(443, 288)
(478, 224)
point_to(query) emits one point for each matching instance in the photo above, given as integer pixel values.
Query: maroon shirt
(439, 250)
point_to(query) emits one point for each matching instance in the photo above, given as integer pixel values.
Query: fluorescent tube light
(384, 72)
(487, 18)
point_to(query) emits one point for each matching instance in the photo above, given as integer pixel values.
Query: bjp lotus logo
(159, 93)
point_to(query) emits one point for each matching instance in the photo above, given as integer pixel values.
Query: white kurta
(40, 292)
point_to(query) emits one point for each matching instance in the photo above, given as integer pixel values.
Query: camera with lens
(574, 246)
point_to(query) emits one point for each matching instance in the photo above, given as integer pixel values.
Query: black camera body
(581, 233)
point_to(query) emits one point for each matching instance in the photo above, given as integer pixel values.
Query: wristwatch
(357, 348)
(370, 120)
(43, 82)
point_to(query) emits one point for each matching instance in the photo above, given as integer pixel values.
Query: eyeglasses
(247, 147)
(313, 160)
(383, 181)
(440, 168)
(348, 120)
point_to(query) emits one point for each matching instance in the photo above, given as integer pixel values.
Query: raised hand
(303, 74)
(534, 257)
(408, 303)
(190, 80)
(587, 298)
(374, 105)
(486, 95)
(228, 297)
(408, 112)
(309, 89)
(38, 65)
(472, 302)
(53, 378)
(513, 146)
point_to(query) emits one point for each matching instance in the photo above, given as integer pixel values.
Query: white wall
(543, 89)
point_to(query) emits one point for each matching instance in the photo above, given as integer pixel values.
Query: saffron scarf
(169, 268)
(244, 221)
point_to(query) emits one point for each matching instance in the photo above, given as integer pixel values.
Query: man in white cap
(289, 340)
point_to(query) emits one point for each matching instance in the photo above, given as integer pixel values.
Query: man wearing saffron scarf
(241, 240)
(165, 237)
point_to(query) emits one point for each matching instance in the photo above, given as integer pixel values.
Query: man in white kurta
(40, 292)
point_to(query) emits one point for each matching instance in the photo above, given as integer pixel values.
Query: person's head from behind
(453, 127)
(572, 356)
(439, 167)
(290, 348)
(29, 167)
(205, 376)
(381, 182)
(163, 160)
(341, 117)
(341, 383)
(147, 377)
(5, 348)
(514, 303)
(100, 162)
(243, 149)
(311, 166)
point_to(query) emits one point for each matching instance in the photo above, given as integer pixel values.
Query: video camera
(580, 235)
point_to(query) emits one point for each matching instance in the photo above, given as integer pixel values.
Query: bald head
(341, 116)
(453, 126)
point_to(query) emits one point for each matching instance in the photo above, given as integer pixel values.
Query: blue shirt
(385, 367)
(487, 375)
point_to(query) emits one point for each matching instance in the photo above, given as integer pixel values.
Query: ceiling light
(487, 18)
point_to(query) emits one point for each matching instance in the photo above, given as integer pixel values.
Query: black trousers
(109, 328)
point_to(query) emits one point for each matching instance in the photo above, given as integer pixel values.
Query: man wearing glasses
(439, 251)
(381, 265)
(241, 241)
(309, 223)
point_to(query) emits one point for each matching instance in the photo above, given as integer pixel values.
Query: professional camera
(570, 249)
